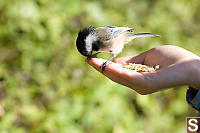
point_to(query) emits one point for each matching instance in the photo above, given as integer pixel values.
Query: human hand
(177, 67)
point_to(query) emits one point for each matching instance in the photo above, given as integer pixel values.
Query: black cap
(80, 42)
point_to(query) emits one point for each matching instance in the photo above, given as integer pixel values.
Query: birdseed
(140, 67)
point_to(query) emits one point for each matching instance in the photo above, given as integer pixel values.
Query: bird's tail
(133, 36)
(143, 35)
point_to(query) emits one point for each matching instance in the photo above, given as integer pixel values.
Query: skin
(177, 67)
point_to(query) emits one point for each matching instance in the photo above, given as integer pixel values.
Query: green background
(47, 87)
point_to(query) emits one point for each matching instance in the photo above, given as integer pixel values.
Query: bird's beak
(90, 55)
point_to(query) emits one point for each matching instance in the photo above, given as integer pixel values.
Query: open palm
(176, 66)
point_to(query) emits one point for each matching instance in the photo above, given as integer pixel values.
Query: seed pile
(140, 67)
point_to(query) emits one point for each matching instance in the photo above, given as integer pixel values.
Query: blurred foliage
(46, 86)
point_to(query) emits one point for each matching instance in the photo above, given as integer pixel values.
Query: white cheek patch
(89, 40)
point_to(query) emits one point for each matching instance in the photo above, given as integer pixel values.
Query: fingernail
(87, 59)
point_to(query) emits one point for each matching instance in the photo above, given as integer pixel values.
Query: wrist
(194, 74)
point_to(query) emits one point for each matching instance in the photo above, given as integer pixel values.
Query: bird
(110, 39)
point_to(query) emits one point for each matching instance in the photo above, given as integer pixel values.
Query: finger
(119, 80)
(115, 69)
(140, 82)
(96, 63)
(112, 71)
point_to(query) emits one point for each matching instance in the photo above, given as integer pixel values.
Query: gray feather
(142, 35)
(110, 32)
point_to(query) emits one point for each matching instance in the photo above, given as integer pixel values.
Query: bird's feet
(93, 56)
(104, 65)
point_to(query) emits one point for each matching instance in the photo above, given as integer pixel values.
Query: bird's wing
(110, 32)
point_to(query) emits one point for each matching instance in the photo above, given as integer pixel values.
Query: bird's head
(85, 39)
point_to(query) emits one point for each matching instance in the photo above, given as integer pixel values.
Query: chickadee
(109, 39)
